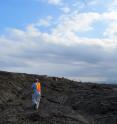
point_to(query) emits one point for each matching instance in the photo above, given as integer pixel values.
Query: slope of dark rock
(63, 101)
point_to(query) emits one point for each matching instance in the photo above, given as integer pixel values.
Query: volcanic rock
(62, 102)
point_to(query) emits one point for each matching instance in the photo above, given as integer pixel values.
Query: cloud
(59, 49)
(76, 22)
(65, 9)
(43, 22)
(113, 6)
(30, 50)
(93, 2)
(111, 31)
(110, 16)
(54, 2)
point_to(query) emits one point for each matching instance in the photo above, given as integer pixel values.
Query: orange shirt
(38, 86)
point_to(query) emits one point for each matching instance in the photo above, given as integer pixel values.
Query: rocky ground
(63, 101)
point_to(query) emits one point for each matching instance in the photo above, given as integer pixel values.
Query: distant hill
(63, 101)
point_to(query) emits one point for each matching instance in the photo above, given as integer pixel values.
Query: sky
(76, 39)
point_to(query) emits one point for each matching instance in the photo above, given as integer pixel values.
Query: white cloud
(109, 16)
(55, 2)
(76, 22)
(111, 32)
(93, 2)
(113, 6)
(111, 29)
(44, 53)
(65, 31)
(65, 9)
(46, 22)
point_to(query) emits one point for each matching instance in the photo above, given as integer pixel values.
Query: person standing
(36, 86)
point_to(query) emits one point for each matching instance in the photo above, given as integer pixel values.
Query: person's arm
(40, 88)
(32, 86)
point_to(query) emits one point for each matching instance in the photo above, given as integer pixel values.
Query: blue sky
(75, 39)
(19, 13)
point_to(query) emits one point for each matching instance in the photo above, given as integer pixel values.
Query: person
(36, 86)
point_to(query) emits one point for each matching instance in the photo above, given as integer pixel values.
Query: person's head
(37, 80)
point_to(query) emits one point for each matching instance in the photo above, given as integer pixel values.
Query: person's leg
(38, 101)
(34, 100)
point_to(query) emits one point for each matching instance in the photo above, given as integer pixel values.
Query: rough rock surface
(63, 101)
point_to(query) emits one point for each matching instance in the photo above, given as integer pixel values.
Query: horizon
(81, 79)
(75, 39)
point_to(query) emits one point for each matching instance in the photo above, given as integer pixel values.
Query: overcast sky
(70, 38)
